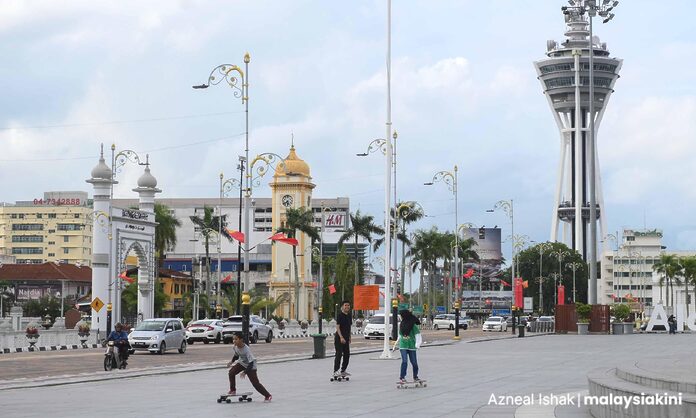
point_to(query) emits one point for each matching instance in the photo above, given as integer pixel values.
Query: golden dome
(294, 165)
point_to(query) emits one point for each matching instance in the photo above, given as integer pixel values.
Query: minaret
(101, 180)
(292, 188)
(147, 188)
(564, 76)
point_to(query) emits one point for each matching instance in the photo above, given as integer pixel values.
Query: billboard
(28, 292)
(488, 299)
(488, 243)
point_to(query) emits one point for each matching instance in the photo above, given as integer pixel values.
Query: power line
(117, 122)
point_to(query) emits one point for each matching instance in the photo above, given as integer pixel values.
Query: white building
(627, 274)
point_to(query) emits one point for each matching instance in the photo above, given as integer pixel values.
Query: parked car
(518, 321)
(258, 329)
(447, 321)
(466, 320)
(495, 323)
(157, 335)
(547, 319)
(205, 330)
(375, 327)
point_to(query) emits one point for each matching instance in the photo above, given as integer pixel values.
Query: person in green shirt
(408, 334)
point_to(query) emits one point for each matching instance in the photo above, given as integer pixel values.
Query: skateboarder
(244, 362)
(409, 332)
(344, 321)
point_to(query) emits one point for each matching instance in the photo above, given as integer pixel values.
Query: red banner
(519, 293)
(366, 297)
(561, 295)
(332, 289)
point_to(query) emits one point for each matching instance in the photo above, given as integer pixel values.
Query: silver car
(258, 329)
(157, 335)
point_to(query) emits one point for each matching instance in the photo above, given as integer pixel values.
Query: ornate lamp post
(233, 75)
(225, 187)
(542, 248)
(574, 266)
(560, 254)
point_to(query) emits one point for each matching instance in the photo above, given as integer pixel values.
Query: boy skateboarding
(244, 362)
(344, 321)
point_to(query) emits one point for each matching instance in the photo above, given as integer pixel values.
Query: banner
(519, 298)
(366, 297)
(561, 295)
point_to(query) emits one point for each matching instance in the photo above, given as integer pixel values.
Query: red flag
(504, 282)
(525, 284)
(277, 236)
(280, 237)
(468, 274)
(239, 236)
(227, 278)
(332, 289)
(125, 277)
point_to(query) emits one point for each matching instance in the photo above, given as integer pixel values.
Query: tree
(129, 298)
(360, 226)
(428, 247)
(340, 269)
(165, 231)
(669, 267)
(44, 306)
(689, 272)
(209, 225)
(408, 213)
(298, 219)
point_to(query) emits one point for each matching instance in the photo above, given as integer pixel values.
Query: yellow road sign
(97, 304)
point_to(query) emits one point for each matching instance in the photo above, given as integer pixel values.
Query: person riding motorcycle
(120, 339)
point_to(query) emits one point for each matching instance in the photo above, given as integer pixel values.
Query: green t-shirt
(408, 343)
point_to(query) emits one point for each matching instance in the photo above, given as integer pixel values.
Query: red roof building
(34, 281)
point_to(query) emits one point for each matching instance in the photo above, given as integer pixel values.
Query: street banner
(561, 295)
(519, 301)
(366, 297)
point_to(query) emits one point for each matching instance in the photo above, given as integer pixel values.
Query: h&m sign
(335, 220)
(659, 317)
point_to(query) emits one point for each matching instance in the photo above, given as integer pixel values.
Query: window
(176, 289)
(51, 243)
(560, 82)
(77, 216)
(27, 250)
(27, 238)
(39, 216)
(630, 238)
(27, 227)
(51, 254)
(66, 238)
(66, 250)
(51, 216)
(13, 216)
(21, 216)
(69, 227)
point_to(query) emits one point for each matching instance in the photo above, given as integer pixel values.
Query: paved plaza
(461, 379)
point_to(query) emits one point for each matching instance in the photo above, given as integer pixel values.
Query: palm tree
(165, 231)
(428, 247)
(360, 226)
(298, 219)
(668, 266)
(210, 224)
(689, 272)
(409, 212)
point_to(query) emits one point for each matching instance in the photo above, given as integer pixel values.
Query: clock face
(287, 200)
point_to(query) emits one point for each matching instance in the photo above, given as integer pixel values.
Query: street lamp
(557, 277)
(469, 225)
(574, 266)
(560, 254)
(232, 75)
(593, 8)
(450, 179)
(542, 248)
(509, 208)
(225, 187)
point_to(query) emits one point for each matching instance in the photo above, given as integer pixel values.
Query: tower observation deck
(564, 76)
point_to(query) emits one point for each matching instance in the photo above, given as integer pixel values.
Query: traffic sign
(97, 304)
(440, 309)
(417, 310)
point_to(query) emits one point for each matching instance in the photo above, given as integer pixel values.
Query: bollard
(320, 318)
(520, 331)
(108, 318)
(245, 316)
(395, 319)
(456, 320)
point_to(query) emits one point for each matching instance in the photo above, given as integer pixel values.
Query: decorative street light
(509, 208)
(225, 187)
(542, 248)
(574, 266)
(450, 179)
(233, 75)
(468, 225)
(560, 254)
(557, 277)
(592, 8)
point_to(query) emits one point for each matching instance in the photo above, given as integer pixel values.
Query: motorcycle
(111, 358)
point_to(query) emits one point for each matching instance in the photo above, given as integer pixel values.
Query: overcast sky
(74, 74)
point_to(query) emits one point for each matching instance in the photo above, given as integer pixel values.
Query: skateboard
(244, 396)
(340, 378)
(411, 384)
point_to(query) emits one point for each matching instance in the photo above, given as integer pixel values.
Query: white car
(157, 335)
(495, 323)
(447, 321)
(375, 327)
(205, 330)
(258, 329)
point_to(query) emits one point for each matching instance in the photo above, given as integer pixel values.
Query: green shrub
(621, 312)
(583, 311)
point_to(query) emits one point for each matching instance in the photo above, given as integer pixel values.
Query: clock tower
(292, 188)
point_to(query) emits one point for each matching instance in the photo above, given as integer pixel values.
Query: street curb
(481, 340)
(175, 369)
(48, 348)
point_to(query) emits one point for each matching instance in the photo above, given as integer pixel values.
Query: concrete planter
(617, 328)
(628, 327)
(583, 328)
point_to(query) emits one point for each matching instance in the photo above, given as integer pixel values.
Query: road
(72, 362)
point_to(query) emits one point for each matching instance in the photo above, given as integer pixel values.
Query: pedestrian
(244, 362)
(672, 324)
(344, 321)
(408, 342)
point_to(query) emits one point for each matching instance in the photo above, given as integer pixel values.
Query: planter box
(583, 328)
(628, 327)
(617, 328)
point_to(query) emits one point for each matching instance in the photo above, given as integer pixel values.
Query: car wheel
(163, 348)
(254, 338)
(190, 341)
(435, 326)
(218, 338)
(182, 349)
(451, 327)
(269, 338)
(205, 341)
(131, 351)
(225, 341)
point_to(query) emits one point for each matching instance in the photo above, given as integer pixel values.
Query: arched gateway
(122, 231)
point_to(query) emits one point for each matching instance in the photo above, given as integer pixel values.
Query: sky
(75, 74)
